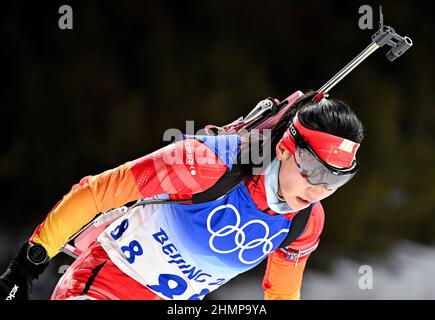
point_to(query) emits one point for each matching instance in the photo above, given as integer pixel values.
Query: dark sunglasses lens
(317, 173)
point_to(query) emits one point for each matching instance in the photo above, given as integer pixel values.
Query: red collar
(257, 191)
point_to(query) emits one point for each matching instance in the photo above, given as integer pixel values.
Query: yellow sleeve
(92, 195)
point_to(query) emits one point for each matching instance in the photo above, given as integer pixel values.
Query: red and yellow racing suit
(151, 175)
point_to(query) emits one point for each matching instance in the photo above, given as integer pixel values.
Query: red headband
(336, 151)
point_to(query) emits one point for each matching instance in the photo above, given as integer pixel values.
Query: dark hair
(327, 115)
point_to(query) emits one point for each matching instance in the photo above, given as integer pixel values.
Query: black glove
(27, 265)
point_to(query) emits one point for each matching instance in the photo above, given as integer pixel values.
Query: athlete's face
(293, 187)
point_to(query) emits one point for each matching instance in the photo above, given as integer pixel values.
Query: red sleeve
(183, 168)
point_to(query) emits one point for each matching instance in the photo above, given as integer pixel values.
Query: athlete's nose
(315, 192)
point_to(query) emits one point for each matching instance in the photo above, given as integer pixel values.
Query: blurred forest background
(78, 102)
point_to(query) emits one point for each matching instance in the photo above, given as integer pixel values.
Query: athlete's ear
(281, 152)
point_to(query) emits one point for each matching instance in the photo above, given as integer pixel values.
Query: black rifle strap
(226, 183)
(229, 180)
(298, 225)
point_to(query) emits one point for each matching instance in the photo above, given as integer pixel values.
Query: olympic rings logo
(240, 236)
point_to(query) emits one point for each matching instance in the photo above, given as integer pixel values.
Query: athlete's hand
(16, 282)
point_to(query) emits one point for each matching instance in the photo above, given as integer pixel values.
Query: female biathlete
(185, 250)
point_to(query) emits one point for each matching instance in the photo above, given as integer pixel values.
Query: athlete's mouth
(303, 201)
